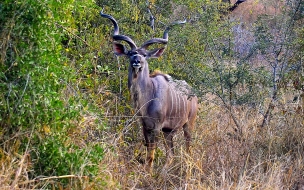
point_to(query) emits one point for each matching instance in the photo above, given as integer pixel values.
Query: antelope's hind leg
(187, 134)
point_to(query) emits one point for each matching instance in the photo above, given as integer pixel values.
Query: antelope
(162, 104)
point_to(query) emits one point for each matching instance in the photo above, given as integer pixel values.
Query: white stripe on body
(176, 105)
(184, 108)
(171, 100)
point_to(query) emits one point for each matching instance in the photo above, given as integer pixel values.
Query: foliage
(55, 154)
(39, 76)
(32, 66)
(63, 92)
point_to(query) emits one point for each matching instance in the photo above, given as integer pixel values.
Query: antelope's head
(137, 55)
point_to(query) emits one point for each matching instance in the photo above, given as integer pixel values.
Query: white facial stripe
(136, 55)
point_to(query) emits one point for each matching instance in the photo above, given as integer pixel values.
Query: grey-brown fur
(163, 104)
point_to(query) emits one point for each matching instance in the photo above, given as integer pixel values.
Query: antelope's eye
(132, 53)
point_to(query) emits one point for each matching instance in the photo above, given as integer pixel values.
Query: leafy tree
(57, 69)
(40, 100)
(275, 37)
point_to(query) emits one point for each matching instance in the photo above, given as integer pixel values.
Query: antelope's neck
(141, 88)
(142, 81)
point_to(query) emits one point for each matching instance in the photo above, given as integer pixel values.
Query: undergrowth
(66, 121)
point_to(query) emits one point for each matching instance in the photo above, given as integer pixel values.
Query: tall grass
(88, 137)
(262, 158)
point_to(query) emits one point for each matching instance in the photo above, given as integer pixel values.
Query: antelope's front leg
(151, 137)
(150, 157)
(169, 148)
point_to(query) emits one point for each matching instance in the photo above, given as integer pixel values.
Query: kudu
(162, 103)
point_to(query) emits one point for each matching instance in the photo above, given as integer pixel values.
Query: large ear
(156, 52)
(119, 49)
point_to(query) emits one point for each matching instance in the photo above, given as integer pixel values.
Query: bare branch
(235, 5)
(152, 19)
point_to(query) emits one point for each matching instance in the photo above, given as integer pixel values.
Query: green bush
(56, 157)
(33, 69)
(40, 85)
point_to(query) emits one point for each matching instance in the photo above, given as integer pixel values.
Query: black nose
(137, 61)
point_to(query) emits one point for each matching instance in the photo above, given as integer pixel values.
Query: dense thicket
(61, 87)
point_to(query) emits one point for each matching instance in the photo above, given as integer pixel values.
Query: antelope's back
(185, 96)
(177, 101)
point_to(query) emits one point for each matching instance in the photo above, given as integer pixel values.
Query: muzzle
(136, 65)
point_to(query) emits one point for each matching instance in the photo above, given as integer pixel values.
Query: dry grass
(259, 158)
